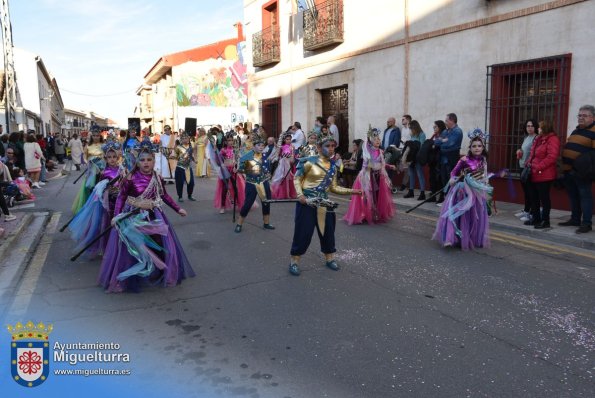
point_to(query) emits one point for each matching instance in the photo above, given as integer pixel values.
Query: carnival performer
(282, 186)
(131, 140)
(463, 220)
(315, 176)
(310, 148)
(95, 216)
(375, 205)
(95, 164)
(143, 246)
(255, 166)
(202, 163)
(232, 183)
(166, 165)
(184, 155)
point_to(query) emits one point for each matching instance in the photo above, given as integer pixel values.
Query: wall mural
(218, 82)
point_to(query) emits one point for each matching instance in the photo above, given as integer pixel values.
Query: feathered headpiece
(111, 145)
(257, 138)
(313, 132)
(373, 133)
(145, 146)
(324, 138)
(477, 132)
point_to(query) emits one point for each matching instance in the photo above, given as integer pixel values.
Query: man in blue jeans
(449, 144)
(582, 140)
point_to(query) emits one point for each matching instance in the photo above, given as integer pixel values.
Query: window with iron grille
(534, 89)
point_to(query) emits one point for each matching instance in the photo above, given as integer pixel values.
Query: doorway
(335, 102)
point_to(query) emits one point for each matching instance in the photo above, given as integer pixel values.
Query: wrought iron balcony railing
(265, 47)
(324, 25)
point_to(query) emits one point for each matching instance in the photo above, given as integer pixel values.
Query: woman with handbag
(523, 157)
(544, 153)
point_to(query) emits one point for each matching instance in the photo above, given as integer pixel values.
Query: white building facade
(43, 109)
(493, 63)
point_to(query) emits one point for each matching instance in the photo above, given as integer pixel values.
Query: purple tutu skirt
(117, 259)
(463, 220)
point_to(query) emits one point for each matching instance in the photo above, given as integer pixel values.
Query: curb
(580, 241)
(17, 251)
(13, 235)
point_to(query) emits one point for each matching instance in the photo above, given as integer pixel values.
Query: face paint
(258, 148)
(328, 149)
(146, 162)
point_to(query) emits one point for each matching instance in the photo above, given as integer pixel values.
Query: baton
(73, 258)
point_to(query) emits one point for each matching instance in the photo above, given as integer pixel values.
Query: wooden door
(270, 110)
(335, 102)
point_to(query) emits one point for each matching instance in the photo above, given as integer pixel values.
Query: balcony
(265, 47)
(323, 26)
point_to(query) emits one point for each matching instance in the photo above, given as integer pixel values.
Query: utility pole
(10, 87)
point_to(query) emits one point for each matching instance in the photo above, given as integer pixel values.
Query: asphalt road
(403, 317)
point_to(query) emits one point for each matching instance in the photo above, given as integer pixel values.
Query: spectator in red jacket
(543, 157)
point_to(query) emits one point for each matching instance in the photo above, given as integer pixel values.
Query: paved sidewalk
(505, 220)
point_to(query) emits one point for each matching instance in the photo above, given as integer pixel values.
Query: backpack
(584, 166)
(423, 156)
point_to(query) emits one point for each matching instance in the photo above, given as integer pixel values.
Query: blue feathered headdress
(111, 145)
(477, 132)
(145, 146)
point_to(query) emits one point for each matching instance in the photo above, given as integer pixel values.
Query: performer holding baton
(315, 176)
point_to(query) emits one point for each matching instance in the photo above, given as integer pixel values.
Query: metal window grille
(534, 89)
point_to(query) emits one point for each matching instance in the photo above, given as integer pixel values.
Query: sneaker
(35, 185)
(180, 200)
(409, 194)
(238, 229)
(422, 196)
(521, 213)
(569, 223)
(41, 183)
(222, 211)
(528, 217)
(268, 226)
(10, 217)
(583, 229)
(333, 265)
(294, 269)
(190, 198)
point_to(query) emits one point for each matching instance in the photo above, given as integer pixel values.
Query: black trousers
(3, 204)
(305, 221)
(527, 192)
(435, 181)
(251, 195)
(180, 176)
(540, 197)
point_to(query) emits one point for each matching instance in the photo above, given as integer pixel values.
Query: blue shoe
(294, 269)
(268, 226)
(333, 265)
(238, 229)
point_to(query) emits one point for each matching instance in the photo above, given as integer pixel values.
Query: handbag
(526, 174)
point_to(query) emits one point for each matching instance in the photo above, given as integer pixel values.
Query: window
(537, 89)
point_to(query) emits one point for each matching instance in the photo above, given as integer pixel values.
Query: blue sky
(101, 47)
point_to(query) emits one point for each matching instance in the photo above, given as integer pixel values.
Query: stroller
(392, 156)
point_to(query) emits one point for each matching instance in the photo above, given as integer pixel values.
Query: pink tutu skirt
(376, 205)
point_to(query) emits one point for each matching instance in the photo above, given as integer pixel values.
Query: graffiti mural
(220, 82)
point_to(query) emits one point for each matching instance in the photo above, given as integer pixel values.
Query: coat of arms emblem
(30, 359)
